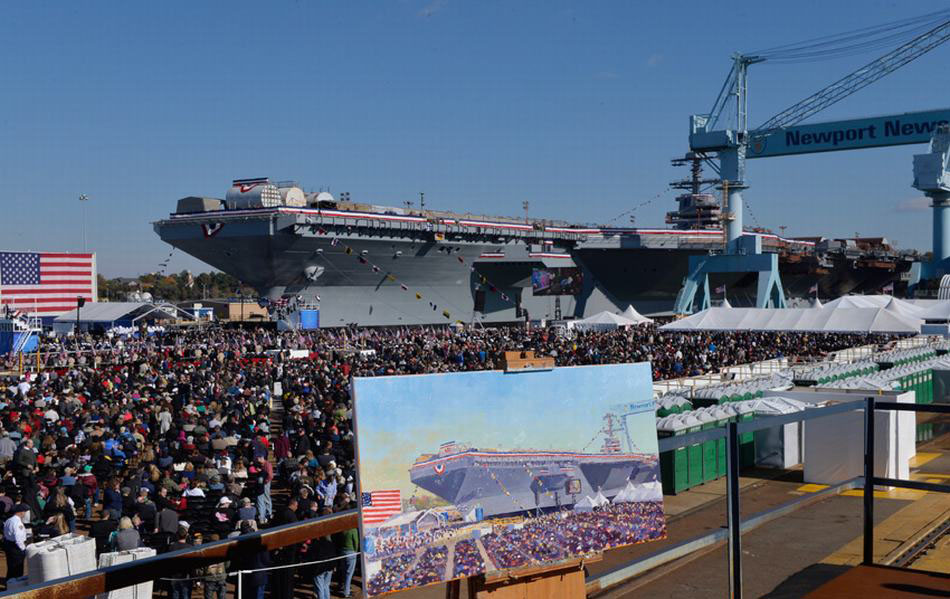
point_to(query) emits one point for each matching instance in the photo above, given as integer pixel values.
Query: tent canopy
(609, 320)
(117, 314)
(939, 311)
(851, 314)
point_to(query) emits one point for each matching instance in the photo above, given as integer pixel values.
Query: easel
(563, 580)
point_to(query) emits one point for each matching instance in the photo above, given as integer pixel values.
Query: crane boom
(858, 79)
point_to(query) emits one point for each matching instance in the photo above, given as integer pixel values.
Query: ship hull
(387, 276)
(511, 485)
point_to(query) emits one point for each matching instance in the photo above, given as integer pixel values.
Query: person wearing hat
(14, 541)
(223, 518)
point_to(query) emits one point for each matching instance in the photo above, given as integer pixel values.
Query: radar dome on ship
(325, 196)
(293, 196)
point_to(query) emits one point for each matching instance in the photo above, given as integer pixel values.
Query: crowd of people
(167, 440)
(468, 561)
(543, 539)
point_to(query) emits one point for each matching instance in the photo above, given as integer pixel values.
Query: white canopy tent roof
(631, 314)
(852, 314)
(112, 313)
(939, 311)
(585, 505)
(608, 320)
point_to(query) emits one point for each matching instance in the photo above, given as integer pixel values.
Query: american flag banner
(46, 283)
(378, 506)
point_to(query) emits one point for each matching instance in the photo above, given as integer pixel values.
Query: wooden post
(453, 590)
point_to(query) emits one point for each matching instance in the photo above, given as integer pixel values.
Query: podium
(564, 580)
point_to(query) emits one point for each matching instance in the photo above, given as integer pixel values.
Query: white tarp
(833, 447)
(851, 314)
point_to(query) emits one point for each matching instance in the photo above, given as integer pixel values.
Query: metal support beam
(769, 293)
(735, 519)
(869, 482)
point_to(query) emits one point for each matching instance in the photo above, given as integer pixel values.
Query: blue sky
(401, 417)
(574, 106)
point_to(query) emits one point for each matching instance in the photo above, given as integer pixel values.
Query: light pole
(83, 198)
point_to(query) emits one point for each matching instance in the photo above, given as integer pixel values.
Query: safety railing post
(735, 524)
(869, 481)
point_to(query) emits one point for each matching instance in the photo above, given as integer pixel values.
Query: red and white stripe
(63, 278)
(240, 214)
(385, 504)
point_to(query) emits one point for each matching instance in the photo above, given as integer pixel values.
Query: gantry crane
(780, 136)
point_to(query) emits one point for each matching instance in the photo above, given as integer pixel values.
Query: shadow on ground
(805, 581)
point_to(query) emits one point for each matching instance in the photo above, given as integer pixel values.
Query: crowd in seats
(173, 430)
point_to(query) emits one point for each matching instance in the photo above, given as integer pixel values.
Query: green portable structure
(710, 463)
(674, 467)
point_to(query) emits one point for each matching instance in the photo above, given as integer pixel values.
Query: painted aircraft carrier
(518, 480)
(370, 265)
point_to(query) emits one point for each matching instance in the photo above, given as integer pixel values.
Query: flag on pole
(813, 288)
(720, 289)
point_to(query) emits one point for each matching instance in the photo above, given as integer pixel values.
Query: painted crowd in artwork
(467, 473)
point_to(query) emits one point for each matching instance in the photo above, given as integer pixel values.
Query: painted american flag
(378, 506)
(46, 283)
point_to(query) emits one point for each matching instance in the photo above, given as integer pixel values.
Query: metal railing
(124, 575)
(175, 563)
(736, 526)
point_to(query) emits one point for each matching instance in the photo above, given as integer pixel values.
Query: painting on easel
(467, 473)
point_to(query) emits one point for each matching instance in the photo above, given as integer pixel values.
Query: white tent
(651, 491)
(939, 311)
(600, 500)
(853, 314)
(605, 321)
(631, 314)
(585, 505)
(624, 496)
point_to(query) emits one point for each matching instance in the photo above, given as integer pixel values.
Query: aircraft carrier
(518, 480)
(378, 265)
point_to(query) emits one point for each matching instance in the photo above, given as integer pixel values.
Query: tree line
(183, 286)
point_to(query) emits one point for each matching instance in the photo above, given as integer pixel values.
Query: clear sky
(399, 418)
(576, 107)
